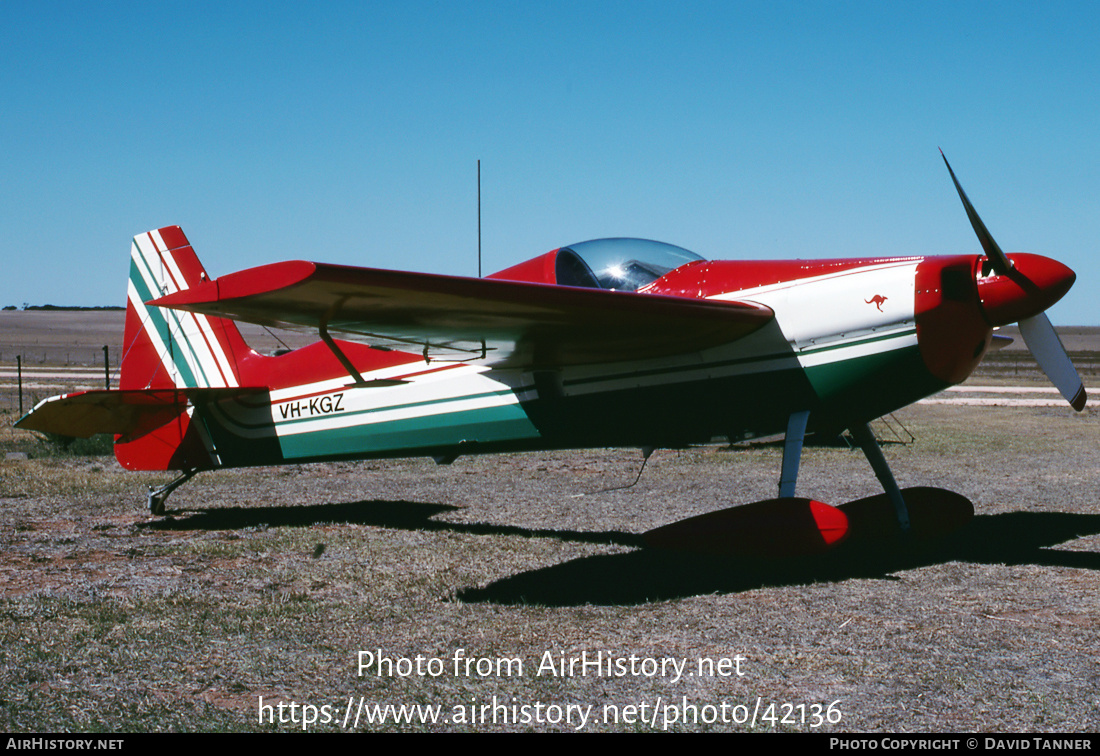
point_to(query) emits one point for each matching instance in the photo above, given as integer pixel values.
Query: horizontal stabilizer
(129, 414)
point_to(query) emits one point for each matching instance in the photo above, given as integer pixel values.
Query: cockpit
(618, 264)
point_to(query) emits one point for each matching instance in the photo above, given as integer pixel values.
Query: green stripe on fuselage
(502, 423)
(866, 387)
(860, 341)
(840, 374)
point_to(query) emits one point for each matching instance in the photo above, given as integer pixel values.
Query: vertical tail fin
(167, 348)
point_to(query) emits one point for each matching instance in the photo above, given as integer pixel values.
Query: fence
(49, 371)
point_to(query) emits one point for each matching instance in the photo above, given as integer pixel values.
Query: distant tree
(11, 307)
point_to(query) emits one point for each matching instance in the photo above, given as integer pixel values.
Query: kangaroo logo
(877, 300)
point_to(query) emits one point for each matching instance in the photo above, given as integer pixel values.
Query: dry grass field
(269, 586)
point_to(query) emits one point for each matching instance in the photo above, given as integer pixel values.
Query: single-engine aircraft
(612, 342)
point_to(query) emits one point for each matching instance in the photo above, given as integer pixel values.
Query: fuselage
(851, 340)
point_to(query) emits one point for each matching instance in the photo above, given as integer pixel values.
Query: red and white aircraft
(613, 342)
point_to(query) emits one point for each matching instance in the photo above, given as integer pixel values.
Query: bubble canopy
(619, 264)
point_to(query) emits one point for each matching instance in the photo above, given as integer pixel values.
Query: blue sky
(350, 132)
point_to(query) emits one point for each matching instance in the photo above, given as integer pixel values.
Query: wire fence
(57, 356)
(28, 375)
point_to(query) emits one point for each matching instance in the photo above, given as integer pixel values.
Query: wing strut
(867, 441)
(356, 376)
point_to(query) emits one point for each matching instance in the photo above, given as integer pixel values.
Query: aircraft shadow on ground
(398, 515)
(646, 575)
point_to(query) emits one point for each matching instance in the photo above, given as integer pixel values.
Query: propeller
(1019, 291)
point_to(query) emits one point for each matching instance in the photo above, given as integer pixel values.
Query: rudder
(167, 348)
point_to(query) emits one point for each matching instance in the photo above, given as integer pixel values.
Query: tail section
(167, 348)
(172, 363)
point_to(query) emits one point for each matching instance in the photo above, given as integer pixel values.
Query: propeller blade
(1038, 333)
(1000, 261)
(1051, 355)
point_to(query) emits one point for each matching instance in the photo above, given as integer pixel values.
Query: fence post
(106, 368)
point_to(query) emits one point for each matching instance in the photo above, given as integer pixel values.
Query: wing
(505, 323)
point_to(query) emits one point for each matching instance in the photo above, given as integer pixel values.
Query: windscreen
(619, 264)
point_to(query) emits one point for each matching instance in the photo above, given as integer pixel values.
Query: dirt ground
(314, 597)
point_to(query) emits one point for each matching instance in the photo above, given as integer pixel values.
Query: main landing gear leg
(792, 452)
(157, 496)
(867, 441)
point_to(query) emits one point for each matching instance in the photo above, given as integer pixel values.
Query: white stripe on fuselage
(331, 404)
(841, 309)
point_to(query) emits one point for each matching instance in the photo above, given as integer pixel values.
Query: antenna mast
(479, 218)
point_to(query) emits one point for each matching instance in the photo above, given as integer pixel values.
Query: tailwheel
(776, 528)
(158, 495)
(933, 513)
